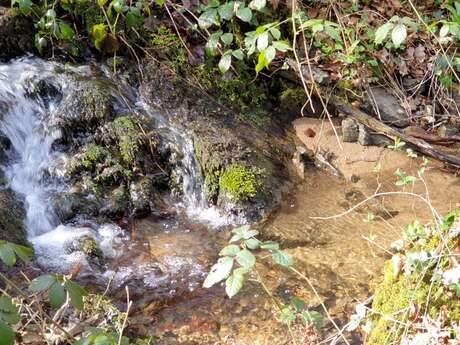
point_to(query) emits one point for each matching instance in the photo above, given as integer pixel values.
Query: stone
(115, 203)
(364, 136)
(350, 131)
(16, 34)
(141, 194)
(447, 131)
(12, 213)
(386, 107)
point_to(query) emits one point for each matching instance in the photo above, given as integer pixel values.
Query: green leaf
(227, 38)
(99, 32)
(270, 246)
(238, 54)
(42, 283)
(399, 35)
(382, 32)
(208, 19)
(65, 31)
(134, 18)
(213, 43)
(25, 253)
(7, 336)
(230, 250)
(25, 6)
(270, 53)
(257, 4)
(101, 3)
(226, 10)
(245, 258)
(160, 2)
(282, 258)
(275, 33)
(7, 254)
(76, 293)
(287, 315)
(298, 304)
(8, 311)
(234, 283)
(243, 233)
(245, 14)
(219, 272)
(282, 46)
(262, 62)
(57, 295)
(252, 243)
(119, 6)
(262, 41)
(225, 63)
(313, 317)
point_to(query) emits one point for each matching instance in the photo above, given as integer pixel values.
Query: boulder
(12, 214)
(16, 35)
(386, 107)
(141, 194)
(115, 203)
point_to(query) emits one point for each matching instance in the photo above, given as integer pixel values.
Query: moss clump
(92, 155)
(241, 182)
(293, 99)
(89, 246)
(128, 140)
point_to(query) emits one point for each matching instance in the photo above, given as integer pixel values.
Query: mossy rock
(241, 183)
(88, 106)
(12, 214)
(16, 34)
(89, 246)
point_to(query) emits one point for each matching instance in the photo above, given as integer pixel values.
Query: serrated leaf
(57, 295)
(243, 233)
(399, 35)
(245, 14)
(226, 10)
(134, 18)
(42, 283)
(313, 317)
(219, 272)
(382, 32)
(270, 246)
(246, 259)
(230, 250)
(282, 258)
(225, 63)
(287, 315)
(7, 336)
(76, 293)
(298, 304)
(234, 283)
(7, 254)
(252, 243)
(227, 38)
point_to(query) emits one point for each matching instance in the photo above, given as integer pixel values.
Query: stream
(165, 260)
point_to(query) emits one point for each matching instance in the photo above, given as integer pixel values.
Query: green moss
(92, 155)
(128, 140)
(12, 228)
(89, 246)
(293, 99)
(241, 182)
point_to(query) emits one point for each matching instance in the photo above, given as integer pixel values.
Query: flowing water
(169, 257)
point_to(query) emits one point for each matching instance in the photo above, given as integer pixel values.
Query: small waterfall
(31, 155)
(32, 172)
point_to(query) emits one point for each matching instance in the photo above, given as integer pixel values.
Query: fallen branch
(381, 128)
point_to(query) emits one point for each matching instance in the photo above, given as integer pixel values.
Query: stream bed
(164, 258)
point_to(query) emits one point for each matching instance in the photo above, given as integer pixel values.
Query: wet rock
(141, 194)
(221, 141)
(350, 131)
(89, 105)
(386, 107)
(89, 246)
(44, 90)
(115, 204)
(11, 214)
(16, 34)
(68, 205)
